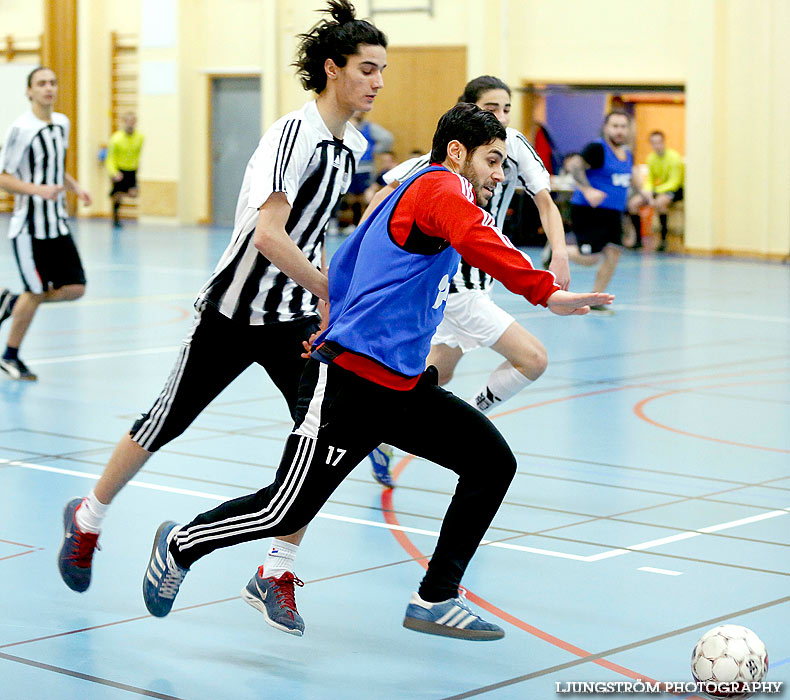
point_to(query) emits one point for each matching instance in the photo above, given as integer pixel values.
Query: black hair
(335, 38)
(468, 124)
(657, 132)
(33, 72)
(475, 88)
(616, 113)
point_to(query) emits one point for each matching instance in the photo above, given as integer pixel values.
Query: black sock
(115, 207)
(10, 353)
(663, 219)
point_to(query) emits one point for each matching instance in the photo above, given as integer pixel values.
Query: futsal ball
(728, 655)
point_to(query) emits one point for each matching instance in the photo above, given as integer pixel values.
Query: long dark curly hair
(335, 38)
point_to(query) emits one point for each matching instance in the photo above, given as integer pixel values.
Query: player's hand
(593, 196)
(84, 197)
(323, 312)
(559, 266)
(49, 191)
(308, 344)
(565, 303)
(117, 177)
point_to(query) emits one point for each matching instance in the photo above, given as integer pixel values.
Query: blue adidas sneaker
(274, 597)
(380, 460)
(75, 558)
(451, 618)
(163, 576)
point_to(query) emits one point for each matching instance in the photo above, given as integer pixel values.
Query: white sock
(416, 600)
(503, 384)
(279, 559)
(90, 514)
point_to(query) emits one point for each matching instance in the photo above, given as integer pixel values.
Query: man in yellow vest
(123, 156)
(663, 185)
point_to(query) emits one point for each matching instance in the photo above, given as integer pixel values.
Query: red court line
(640, 413)
(18, 554)
(18, 544)
(635, 386)
(422, 560)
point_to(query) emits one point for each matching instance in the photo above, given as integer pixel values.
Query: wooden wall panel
(420, 84)
(59, 52)
(158, 198)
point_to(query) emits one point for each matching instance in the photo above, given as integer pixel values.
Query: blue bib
(613, 177)
(386, 302)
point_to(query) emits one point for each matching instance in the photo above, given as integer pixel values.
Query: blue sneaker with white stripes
(163, 576)
(380, 460)
(451, 618)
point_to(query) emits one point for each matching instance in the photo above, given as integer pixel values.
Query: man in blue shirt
(603, 172)
(388, 284)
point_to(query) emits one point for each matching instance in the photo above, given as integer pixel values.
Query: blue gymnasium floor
(652, 500)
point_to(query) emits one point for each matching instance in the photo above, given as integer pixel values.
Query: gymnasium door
(235, 132)
(420, 84)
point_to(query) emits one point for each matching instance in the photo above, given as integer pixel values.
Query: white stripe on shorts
(270, 516)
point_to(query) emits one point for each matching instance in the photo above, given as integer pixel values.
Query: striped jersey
(299, 157)
(35, 151)
(522, 167)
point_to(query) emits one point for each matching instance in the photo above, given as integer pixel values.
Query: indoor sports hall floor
(652, 499)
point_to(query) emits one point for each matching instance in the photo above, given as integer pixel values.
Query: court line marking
(666, 572)
(639, 411)
(102, 355)
(599, 657)
(86, 677)
(641, 546)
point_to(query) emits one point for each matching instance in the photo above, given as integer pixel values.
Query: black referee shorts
(340, 418)
(47, 263)
(127, 182)
(216, 351)
(596, 227)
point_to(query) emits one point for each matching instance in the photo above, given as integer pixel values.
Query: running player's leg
(334, 430)
(611, 254)
(271, 588)
(427, 423)
(51, 271)
(525, 361)
(214, 353)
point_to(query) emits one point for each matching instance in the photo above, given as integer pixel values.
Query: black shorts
(596, 227)
(47, 263)
(127, 182)
(216, 351)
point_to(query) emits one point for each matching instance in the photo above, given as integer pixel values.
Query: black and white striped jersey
(299, 157)
(35, 151)
(522, 167)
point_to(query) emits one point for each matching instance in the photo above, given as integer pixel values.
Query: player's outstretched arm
(565, 303)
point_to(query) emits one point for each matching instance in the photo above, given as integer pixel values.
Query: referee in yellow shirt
(663, 185)
(123, 156)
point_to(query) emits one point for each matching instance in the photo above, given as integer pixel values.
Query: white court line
(372, 523)
(101, 355)
(666, 572)
(704, 313)
(664, 310)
